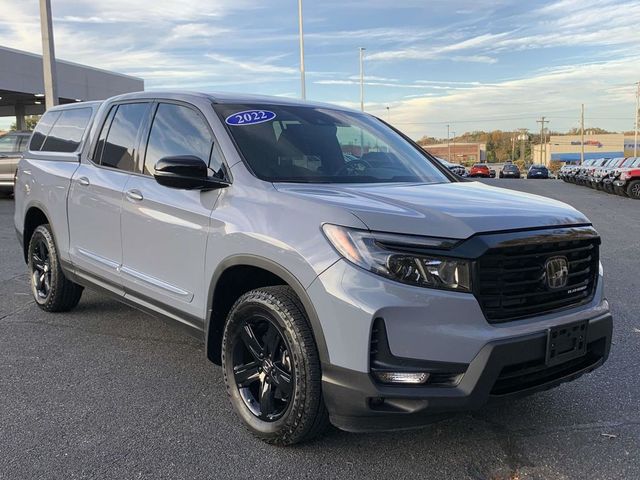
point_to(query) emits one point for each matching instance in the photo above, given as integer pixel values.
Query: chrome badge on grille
(557, 272)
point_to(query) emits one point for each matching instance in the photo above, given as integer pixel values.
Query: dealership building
(460, 152)
(22, 84)
(568, 148)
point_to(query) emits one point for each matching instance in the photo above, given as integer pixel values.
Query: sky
(472, 64)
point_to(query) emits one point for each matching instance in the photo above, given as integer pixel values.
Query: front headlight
(392, 256)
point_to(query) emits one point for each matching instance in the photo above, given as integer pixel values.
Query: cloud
(517, 103)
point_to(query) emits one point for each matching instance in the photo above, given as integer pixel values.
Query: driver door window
(179, 130)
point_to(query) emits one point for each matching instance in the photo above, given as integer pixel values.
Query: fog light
(402, 377)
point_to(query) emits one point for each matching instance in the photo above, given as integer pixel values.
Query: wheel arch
(33, 218)
(215, 319)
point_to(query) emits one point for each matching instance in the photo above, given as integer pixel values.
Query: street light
(362, 49)
(303, 89)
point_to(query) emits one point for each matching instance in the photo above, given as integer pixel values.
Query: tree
(30, 122)
(425, 140)
(594, 131)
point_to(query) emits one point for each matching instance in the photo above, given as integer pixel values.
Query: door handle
(84, 181)
(134, 195)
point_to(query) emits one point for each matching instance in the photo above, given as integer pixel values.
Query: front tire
(272, 367)
(52, 291)
(633, 190)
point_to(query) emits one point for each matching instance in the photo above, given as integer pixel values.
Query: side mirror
(185, 172)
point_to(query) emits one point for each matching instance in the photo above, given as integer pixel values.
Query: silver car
(334, 269)
(12, 145)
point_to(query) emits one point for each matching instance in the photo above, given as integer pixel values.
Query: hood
(451, 210)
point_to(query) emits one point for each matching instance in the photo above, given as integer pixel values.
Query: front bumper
(502, 369)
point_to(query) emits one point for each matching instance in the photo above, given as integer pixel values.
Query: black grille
(511, 281)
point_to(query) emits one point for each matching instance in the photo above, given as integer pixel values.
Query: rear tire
(633, 190)
(272, 368)
(52, 291)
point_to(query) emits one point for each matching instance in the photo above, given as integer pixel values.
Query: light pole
(362, 49)
(303, 88)
(448, 145)
(48, 56)
(582, 134)
(635, 134)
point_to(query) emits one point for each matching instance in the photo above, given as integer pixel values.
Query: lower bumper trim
(502, 369)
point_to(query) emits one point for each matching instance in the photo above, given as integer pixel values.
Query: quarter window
(117, 145)
(42, 130)
(178, 130)
(67, 132)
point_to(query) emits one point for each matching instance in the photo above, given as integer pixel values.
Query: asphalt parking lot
(108, 392)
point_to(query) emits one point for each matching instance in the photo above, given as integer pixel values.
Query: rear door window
(67, 132)
(120, 138)
(42, 130)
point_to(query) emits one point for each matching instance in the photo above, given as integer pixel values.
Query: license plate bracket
(566, 342)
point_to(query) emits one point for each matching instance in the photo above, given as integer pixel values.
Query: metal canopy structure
(22, 84)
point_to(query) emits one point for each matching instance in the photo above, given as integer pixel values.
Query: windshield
(284, 143)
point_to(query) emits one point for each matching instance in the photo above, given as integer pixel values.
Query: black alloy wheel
(271, 367)
(262, 368)
(40, 270)
(52, 290)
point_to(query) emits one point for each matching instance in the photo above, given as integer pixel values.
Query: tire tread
(312, 417)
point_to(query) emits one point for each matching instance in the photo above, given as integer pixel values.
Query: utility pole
(513, 147)
(454, 146)
(582, 135)
(522, 136)
(303, 87)
(635, 134)
(542, 121)
(362, 49)
(48, 56)
(448, 145)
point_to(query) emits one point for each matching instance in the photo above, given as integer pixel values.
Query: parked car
(480, 170)
(614, 173)
(12, 145)
(510, 170)
(565, 173)
(492, 173)
(372, 294)
(603, 172)
(588, 174)
(628, 180)
(454, 167)
(538, 171)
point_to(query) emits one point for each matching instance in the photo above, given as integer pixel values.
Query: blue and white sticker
(250, 117)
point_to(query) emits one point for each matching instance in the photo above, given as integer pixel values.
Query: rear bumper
(503, 368)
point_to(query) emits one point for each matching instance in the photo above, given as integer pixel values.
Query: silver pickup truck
(334, 269)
